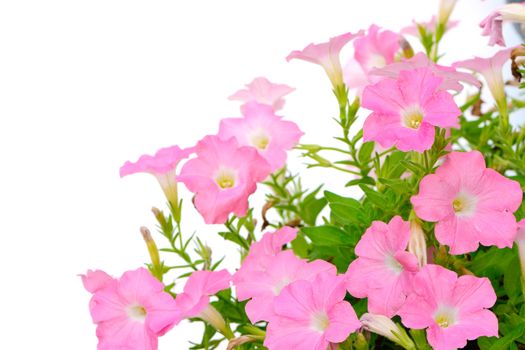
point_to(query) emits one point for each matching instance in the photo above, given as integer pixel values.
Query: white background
(86, 85)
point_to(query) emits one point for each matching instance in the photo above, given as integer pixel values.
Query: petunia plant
(429, 252)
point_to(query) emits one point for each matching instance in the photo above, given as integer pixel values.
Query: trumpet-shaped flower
(493, 24)
(198, 288)
(222, 177)
(262, 129)
(490, 68)
(263, 286)
(374, 50)
(383, 269)
(262, 91)
(263, 251)
(452, 309)
(309, 315)
(131, 312)
(163, 166)
(406, 110)
(445, 9)
(451, 77)
(470, 203)
(327, 56)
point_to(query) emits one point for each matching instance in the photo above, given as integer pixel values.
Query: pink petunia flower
(222, 177)
(383, 270)
(194, 301)
(130, 312)
(374, 50)
(264, 285)
(471, 204)
(262, 91)
(406, 110)
(490, 68)
(263, 251)
(163, 166)
(451, 77)
(452, 309)
(327, 56)
(493, 24)
(262, 129)
(309, 315)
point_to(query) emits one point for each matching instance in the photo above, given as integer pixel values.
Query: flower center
(376, 61)
(320, 321)
(280, 285)
(137, 312)
(464, 204)
(260, 140)
(412, 117)
(394, 265)
(445, 316)
(225, 178)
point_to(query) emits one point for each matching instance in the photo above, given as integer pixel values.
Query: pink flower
(130, 312)
(470, 203)
(406, 110)
(383, 270)
(452, 309)
(163, 166)
(374, 50)
(309, 315)
(198, 288)
(194, 301)
(493, 23)
(222, 177)
(262, 129)
(490, 68)
(450, 76)
(264, 285)
(326, 55)
(262, 91)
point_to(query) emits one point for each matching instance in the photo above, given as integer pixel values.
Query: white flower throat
(412, 117)
(226, 178)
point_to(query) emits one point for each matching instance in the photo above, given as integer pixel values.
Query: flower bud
(153, 252)
(417, 244)
(385, 327)
(445, 9)
(215, 319)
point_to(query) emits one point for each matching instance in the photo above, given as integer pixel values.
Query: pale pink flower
(130, 312)
(383, 270)
(326, 55)
(374, 50)
(194, 301)
(406, 110)
(222, 177)
(491, 69)
(452, 309)
(309, 315)
(262, 129)
(163, 165)
(198, 288)
(429, 27)
(264, 285)
(262, 91)
(471, 204)
(451, 77)
(493, 24)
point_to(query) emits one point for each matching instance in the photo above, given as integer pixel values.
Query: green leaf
(364, 180)
(366, 151)
(505, 342)
(328, 235)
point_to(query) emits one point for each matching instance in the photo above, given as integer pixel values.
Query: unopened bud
(360, 342)
(406, 48)
(417, 244)
(385, 327)
(215, 319)
(153, 252)
(242, 340)
(520, 242)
